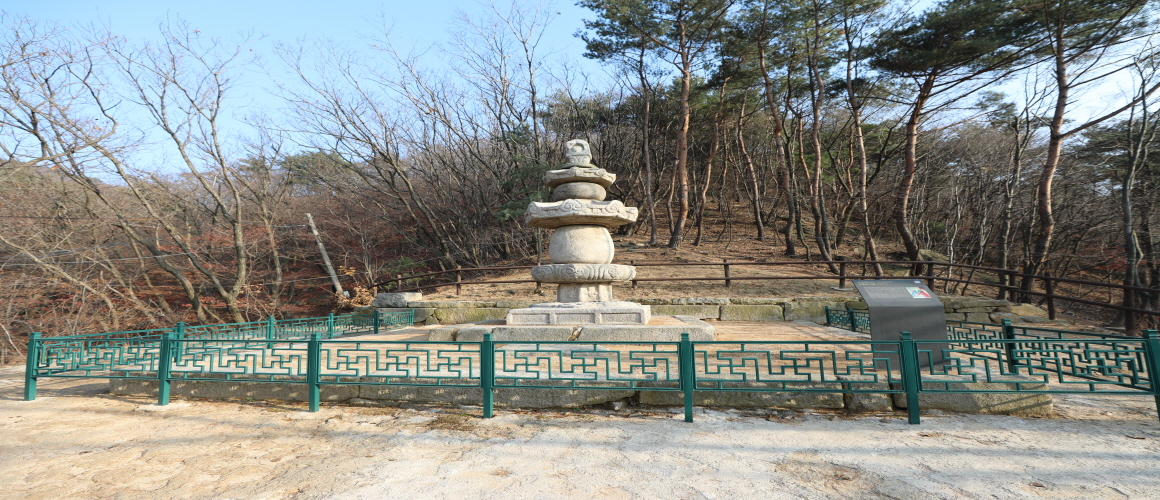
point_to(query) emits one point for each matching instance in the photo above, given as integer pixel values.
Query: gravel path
(75, 441)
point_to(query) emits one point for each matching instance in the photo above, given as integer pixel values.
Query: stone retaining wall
(981, 310)
(1001, 403)
(455, 312)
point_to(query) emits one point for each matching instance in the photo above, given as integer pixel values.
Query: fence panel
(811, 366)
(588, 365)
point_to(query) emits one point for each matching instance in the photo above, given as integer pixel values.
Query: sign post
(906, 305)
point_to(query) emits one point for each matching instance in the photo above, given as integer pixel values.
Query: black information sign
(905, 306)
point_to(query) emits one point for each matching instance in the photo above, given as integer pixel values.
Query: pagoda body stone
(581, 248)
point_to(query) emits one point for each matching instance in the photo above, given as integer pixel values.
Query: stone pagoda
(581, 248)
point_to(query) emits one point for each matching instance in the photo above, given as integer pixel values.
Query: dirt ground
(633, 250)
(77, 441)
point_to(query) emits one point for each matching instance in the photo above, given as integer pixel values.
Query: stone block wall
(981, 310)
(454, 312)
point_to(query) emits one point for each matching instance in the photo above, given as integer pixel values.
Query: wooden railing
(1003, 283)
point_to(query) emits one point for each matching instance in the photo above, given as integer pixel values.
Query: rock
(756, 301)
(654, 302)
(809, 310)
(701, 301)
(866, 402)
(752, 313)
(699, 312)
(956, 316)
(997, 403)
(1027, 310)
(360, 402)
(396, 299)
(1034, 319)
(982, 303)
(421, 313)
(446, 304)
(780, 399)
(857, 306)
(506, 397)
(459, 315)
(998, 317)
(974, 309)
(978, 317)
(514, 304)
(233, 389)
(445, 334)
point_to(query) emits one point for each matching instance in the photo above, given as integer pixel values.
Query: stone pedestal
(581, 313)
(581, 250)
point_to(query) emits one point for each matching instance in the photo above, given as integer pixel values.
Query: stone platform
(658, 329)
(581, 313)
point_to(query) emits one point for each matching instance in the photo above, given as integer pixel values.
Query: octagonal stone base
(581, 313)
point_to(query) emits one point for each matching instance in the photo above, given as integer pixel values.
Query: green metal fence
(96, 355)
(980, 354)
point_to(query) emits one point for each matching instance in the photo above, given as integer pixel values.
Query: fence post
(270, 328)
(487, 374)
(1002, 295)
(688, 378)
(1009, 348)
(1049, 287)
(30, 362)
(314, 369)
(728, 282)
(841, 272)
(930, 272)
(458, 278)
(375, 320)
(850, 318)
(911, 382)
(163, 359)
(1129, 316)
(633, 263)
(330, 326)
(1152, 348)
(179, 334)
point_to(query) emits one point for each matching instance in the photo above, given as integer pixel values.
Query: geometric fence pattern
(320, 352)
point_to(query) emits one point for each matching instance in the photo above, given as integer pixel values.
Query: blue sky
(412, 24)
(422, 21)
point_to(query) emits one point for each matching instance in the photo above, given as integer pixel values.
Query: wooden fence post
(841, 270)
(458, 278)
(728, 282)
(1129, 316)
(1049, 287)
